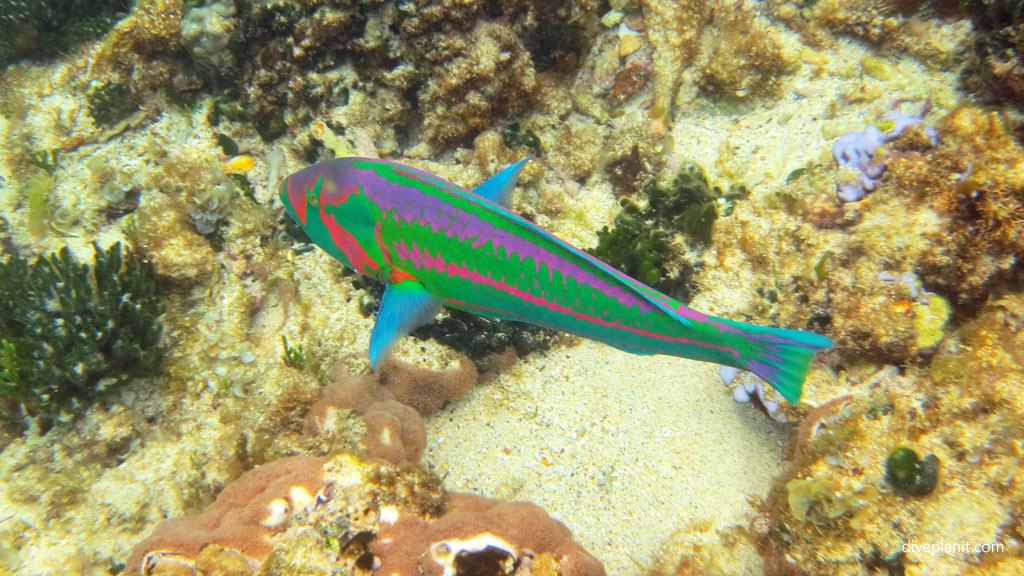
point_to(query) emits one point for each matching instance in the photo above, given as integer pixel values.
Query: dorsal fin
(498, 188)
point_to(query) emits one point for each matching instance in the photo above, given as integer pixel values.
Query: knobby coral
(391, 403)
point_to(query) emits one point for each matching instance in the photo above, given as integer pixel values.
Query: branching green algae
(640, 244)
(71, 332)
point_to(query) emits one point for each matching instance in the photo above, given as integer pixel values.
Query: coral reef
(481, 536)
(167, 238)
(143, 51)
(673, 29)
(71, 333)
(909, 27)
(955, 200)
(206, 32)
(241, 518)
(996, 63)
(979, 194)
(852, 497)
(468, 88)
(347, 516)
(722, 51)
(169, 125)
(856, 151)
(744, 59)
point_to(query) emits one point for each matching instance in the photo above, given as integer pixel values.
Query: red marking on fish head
(301, 189)
(397, 275)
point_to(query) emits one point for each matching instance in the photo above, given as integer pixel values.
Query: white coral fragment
(446, 551)
(277, 513)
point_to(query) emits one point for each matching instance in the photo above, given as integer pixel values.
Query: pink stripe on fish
(454, 270)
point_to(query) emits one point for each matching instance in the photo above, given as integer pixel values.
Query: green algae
(111, 103)
(47, 160)
(37, 195)
(641, 242)
(515, 137)
(227, 145)
(71, 333)
(909, 473)
(293, 356)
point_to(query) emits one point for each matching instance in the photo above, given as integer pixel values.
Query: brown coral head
(479, 537)
(390, 404)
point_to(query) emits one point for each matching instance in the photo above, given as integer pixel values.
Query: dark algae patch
(910, 474)
(48, 28)
(70, 332)
(642, 241)
(477, 337)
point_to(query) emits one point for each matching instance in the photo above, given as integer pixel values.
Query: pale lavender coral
(748, 388)
(857, 150)
(910, 281)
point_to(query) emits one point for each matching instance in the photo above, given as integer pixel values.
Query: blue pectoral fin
(498, 188)
(406, 306)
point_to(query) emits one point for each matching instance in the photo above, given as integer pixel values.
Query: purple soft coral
(857, 150)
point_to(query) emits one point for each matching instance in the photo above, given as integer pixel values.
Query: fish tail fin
(781, 357)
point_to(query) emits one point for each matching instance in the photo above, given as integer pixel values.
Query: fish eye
(313, 198)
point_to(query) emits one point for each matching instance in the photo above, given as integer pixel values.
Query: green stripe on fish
(435, 243)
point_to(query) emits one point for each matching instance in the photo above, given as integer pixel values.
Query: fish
(238, 165)
(435, 244)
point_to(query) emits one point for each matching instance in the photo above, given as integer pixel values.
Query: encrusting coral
(481, 537)
(346, 516)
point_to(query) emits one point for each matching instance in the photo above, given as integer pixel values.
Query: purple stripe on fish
(430, 211)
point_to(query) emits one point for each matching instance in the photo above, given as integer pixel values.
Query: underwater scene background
(184, 380)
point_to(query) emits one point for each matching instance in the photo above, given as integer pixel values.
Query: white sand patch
(624, 449)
